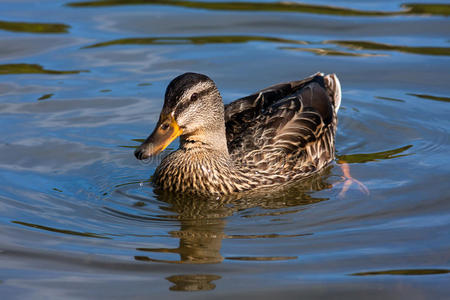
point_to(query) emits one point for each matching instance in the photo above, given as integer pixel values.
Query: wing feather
(281, 119)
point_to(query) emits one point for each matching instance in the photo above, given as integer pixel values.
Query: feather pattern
(279, 134)
(287, 129)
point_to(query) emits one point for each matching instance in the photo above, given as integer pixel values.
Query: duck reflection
(193, 282)
(203, 220)
(202, 224)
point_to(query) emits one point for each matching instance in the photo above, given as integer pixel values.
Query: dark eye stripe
(203, 93)
(183, 105)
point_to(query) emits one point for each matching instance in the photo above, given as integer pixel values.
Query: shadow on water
(408, 9)
(8, 69)
(34, 27)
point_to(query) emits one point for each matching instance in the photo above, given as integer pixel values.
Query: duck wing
(283, 119)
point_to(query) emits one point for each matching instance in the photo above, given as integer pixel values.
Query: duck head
(193, 109)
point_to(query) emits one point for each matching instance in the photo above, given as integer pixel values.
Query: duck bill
(161, 137)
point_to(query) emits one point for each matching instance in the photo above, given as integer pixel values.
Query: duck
(275, 136)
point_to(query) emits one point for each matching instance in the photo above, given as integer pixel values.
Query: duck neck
(209, 139)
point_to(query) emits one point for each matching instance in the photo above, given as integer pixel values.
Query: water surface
(82, 82)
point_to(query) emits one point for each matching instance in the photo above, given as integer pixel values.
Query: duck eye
(194, 97)
(164, 126)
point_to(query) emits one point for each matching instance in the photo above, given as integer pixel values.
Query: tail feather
(334, 88)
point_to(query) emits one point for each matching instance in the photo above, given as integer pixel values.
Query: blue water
(80, 84)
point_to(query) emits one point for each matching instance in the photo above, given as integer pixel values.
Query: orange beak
(165, 132)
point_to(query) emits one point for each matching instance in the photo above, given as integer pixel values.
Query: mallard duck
(279, 134)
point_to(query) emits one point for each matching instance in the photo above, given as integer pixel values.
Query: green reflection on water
(389, 99)
(430, 97)
(8, 69)
(231, 39)
(34, 27)
(71, 232)
(367, 45)
(434, 9)
(199, 40)
(428, 9)
(323, 51)
(368, 157)
(404, 272)
(46, 96)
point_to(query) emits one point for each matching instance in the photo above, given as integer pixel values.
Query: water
(80, 83)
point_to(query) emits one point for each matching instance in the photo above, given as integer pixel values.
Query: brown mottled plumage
(282, 133)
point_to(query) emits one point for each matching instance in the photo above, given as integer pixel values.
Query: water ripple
(291, 7)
